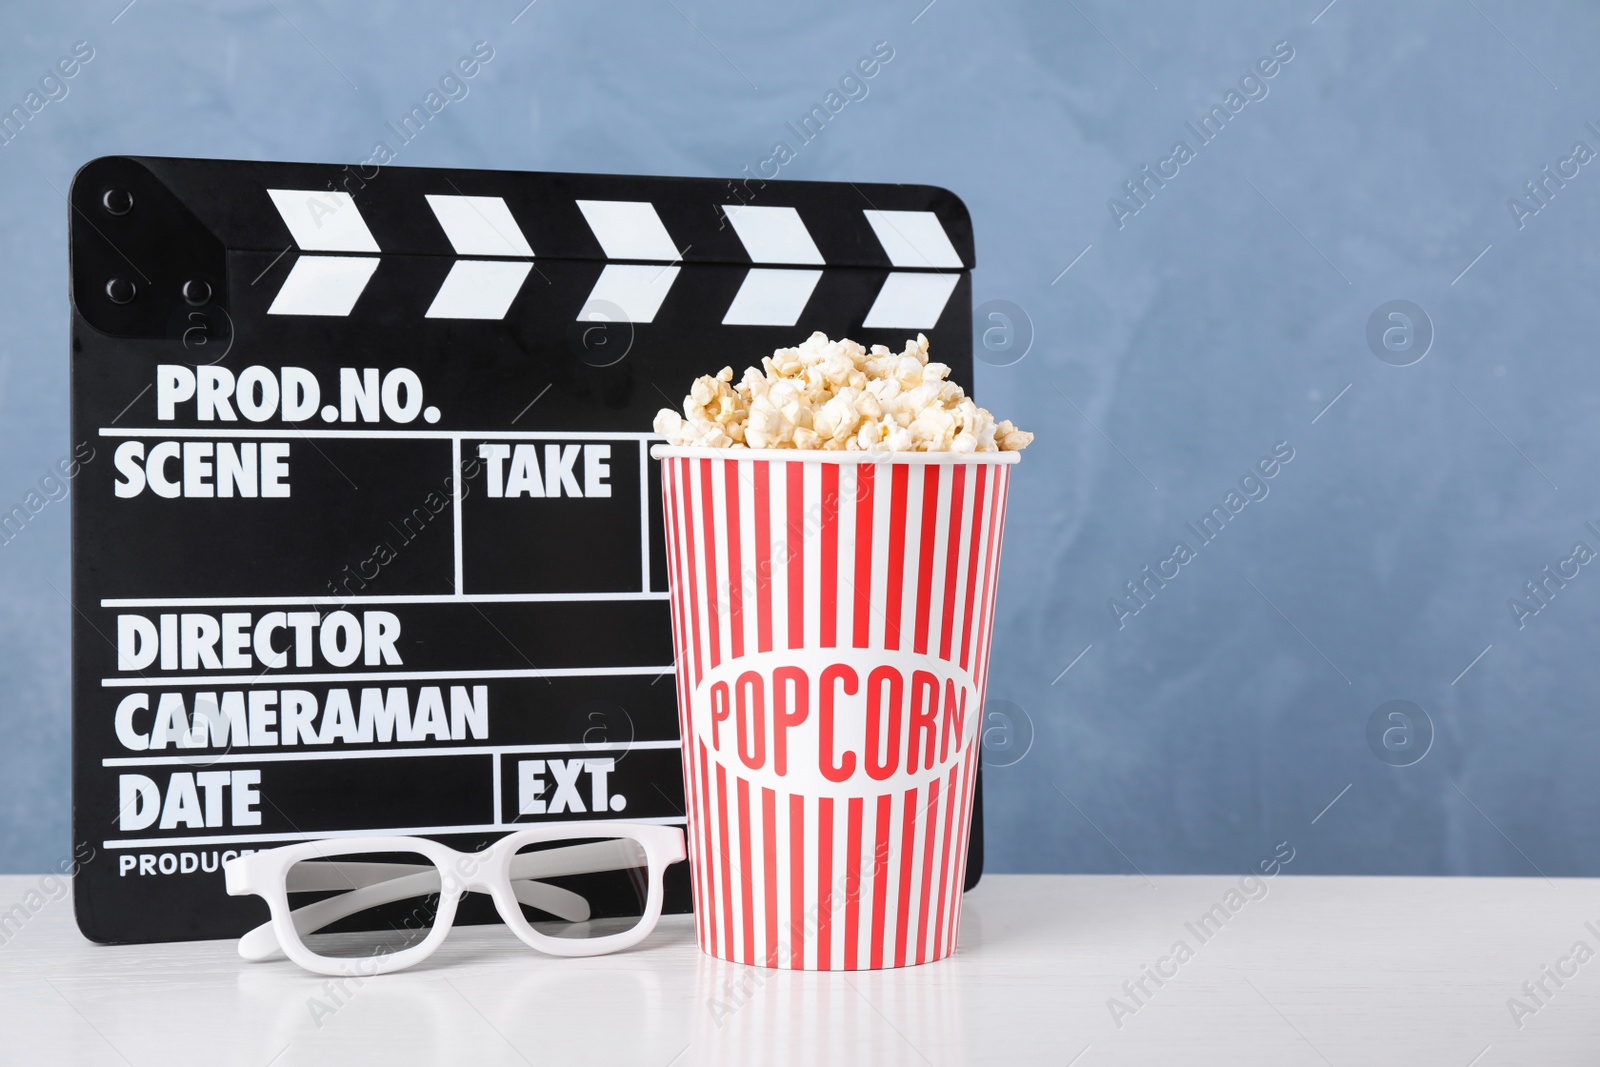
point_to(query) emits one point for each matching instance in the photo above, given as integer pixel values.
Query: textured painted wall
(1232, 309)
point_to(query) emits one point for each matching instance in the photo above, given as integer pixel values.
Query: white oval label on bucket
(839, 722)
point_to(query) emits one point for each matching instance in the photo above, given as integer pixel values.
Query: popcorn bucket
(831, 618)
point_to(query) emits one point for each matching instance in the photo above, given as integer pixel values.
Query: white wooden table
(1317, 971)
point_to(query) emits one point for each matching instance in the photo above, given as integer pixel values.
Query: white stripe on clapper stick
(773, 234)
(323, 220)
(911, 300)
(914, 239)
(479, 226)
(323, 285)
(629, 229)
(479, 289)
(769, 297)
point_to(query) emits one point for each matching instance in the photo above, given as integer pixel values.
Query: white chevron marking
(628, 293)
(323, 221)
(911, 301)
(772, 234)
(323, 285)
(479, 289)
(771, 297)
(479, 226)
(913, 238)
(629, 229)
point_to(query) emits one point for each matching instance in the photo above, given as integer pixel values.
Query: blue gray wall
(1240, 307)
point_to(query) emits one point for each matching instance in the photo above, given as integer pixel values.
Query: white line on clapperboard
(644, 518)
(455, 437)
(341, 601)
(402, 435)
(389, 676)
(499, 814)
(400, 831)
(455, 506)
(383, 753)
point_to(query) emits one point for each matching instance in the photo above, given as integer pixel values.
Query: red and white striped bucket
(831, 618)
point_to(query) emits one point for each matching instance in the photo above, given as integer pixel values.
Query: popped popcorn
(837, 395)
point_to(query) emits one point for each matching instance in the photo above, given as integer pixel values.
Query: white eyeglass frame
(265, 874)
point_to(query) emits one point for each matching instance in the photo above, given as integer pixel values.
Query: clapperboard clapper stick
(369, 538)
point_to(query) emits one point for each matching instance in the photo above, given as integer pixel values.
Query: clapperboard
(369, 539)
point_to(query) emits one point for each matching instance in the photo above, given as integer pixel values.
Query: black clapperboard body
(369, 491)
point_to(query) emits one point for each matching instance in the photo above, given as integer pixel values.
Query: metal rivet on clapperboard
(120, 290)
(117, 202)
(196, 291)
